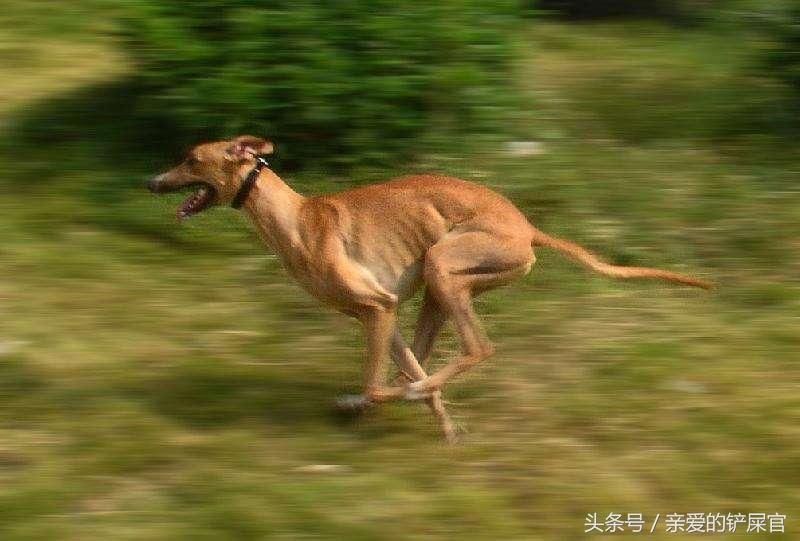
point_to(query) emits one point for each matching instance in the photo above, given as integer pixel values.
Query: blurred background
(163, 381)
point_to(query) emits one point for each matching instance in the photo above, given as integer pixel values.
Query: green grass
(171, 382)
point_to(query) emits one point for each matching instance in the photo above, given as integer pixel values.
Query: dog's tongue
(185, 209)
(193, 204)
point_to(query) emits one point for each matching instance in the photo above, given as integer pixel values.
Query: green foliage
(784, 59)
(350, 79)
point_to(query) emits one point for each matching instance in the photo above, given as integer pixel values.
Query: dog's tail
(584, 256)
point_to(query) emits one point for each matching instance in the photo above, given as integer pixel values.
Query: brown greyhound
(366, 250)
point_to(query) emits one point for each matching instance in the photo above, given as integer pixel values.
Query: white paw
(353, 402)
(417, 390)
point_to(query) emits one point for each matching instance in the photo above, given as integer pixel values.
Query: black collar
(249, 182)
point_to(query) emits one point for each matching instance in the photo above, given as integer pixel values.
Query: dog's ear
(247, 147)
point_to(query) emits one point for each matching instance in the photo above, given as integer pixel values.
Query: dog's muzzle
(155, 184)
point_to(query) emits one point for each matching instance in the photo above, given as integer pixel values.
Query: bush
(351, 80)
(783, 60)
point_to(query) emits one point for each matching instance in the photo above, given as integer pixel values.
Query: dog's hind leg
(458, 268)
(429, 324)
(430, 321)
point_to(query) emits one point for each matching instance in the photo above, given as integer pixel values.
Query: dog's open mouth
(200, 199)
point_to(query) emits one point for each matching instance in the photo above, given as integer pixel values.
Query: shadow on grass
(103, 125)
(203, 393)
(18, 379)
(209, 393)
(84, 158)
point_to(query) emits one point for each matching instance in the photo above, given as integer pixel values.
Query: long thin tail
(584, 256)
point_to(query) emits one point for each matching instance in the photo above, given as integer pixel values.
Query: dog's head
(213, 171)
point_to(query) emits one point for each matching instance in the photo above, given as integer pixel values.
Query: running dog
(367, 250)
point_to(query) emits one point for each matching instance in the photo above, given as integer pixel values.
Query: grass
(164, 382)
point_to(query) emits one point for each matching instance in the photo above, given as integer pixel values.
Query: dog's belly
(395, 266)
(404, 283)
(393, 251)
(385, 277)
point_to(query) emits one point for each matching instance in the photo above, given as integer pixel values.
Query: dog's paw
(417, 390)
(353, 403)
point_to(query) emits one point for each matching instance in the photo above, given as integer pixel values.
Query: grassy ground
(165, 382)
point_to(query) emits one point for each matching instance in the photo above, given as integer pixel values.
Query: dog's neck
(274, 208)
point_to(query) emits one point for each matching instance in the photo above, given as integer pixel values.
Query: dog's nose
(154, 184)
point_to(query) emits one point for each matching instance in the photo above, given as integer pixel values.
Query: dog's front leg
(379, 324)
(409, 365)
